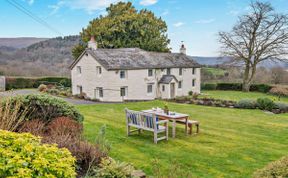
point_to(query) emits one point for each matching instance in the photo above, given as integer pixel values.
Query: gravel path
(35, 91)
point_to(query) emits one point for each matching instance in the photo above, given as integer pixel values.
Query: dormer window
(150, 72)
(122, 74)
(79, 70)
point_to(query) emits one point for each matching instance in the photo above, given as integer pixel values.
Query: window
(122, 74)
(100, 92)
(99, 70)
(193, 71)
(79, 70)
(123, 91)
(180, 71)
(180, 84)
(79, 89)
(193, 82)
(163, 87)
(168, 71)
(150, 72)
(149, 88)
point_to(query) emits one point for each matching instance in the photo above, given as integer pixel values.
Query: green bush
(18, 83)
(209, 86)
(276, 169)
(246, 104)
(265, 104)
(263, 88)
(229, 86)
(22, 155)
(111, 168)
(45, 107)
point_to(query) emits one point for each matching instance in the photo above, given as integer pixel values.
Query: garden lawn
(232, 142)
(238, 95)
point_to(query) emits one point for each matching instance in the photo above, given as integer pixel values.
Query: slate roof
(135, 58)
(166, 79)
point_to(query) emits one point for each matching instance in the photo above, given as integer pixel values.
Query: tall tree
(258, 36)
(126, 27)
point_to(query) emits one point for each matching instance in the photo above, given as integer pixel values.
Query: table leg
(174, 128)
(186, 126)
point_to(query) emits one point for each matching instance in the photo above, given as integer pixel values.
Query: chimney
(92, 43)
(183, 49)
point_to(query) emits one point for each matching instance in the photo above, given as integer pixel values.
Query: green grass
(214, 71)
(238, 95)
(232, 142)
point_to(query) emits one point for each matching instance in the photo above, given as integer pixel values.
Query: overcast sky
(196, 22)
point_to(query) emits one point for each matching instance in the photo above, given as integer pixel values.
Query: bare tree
(258, 36)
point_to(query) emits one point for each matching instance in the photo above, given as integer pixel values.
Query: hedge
(47, 108)
(264, 88)
(19, 83)
(23, 155)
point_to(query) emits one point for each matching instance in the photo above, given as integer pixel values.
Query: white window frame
(99, 70)
(180, 84)
(79, 70)
(150, 70)
(180, 71)
(193, 82)
(125, 91)
(125, 74)
(148, 85)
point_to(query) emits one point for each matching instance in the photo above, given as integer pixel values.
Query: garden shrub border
(263, 88)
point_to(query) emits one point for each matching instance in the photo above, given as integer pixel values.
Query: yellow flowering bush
(23, 155)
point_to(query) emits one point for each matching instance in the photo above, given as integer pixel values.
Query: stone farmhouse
(126, 74)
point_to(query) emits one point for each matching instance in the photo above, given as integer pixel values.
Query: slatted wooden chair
(145, 121)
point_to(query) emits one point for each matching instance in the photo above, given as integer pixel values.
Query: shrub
(263, 88)
(279, 91)
(42, 88)
(209, 86)
(246, 104)
(229, 86)
(63, 126)
(190, 93)
(111, 168)
(47, 107)
(12, 114)
(275, 169)
(35, 127)
(53, 91)
(17, 159)
(265, 104)
(282, 106)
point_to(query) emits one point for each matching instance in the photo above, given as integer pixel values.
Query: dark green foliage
(209, 86)
(126, 27)
(47, 108)
(229, 86)
(263, 88)
(273, 170)
(190, 93)
(265, 104)
(19, 83)
(78, 50)
(246, 104)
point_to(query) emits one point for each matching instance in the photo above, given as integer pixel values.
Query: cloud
(178, 24)
(90, 6)
(148, 2)
(165, 12)
(205, 21)
(30, 2)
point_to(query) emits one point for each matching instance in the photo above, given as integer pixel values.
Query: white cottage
(114, 75)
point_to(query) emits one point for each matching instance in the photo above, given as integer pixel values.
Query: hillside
(45, 58)
(19, 42)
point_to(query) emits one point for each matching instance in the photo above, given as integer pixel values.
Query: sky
(196, 22)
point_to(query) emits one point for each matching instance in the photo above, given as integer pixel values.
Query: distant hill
(213, 61)
(19, 42)
(50, 57)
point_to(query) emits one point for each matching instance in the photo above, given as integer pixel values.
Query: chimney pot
(92, 44)
(183, 49)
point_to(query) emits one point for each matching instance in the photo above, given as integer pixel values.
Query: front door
(172, 90)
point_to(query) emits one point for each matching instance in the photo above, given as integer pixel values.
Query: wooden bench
(190, 125)
(145, 121)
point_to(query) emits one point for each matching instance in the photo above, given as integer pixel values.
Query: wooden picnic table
(172, 116)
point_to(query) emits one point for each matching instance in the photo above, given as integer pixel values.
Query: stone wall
(2, 83)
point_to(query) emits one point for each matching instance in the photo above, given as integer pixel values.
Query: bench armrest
(162, 121)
